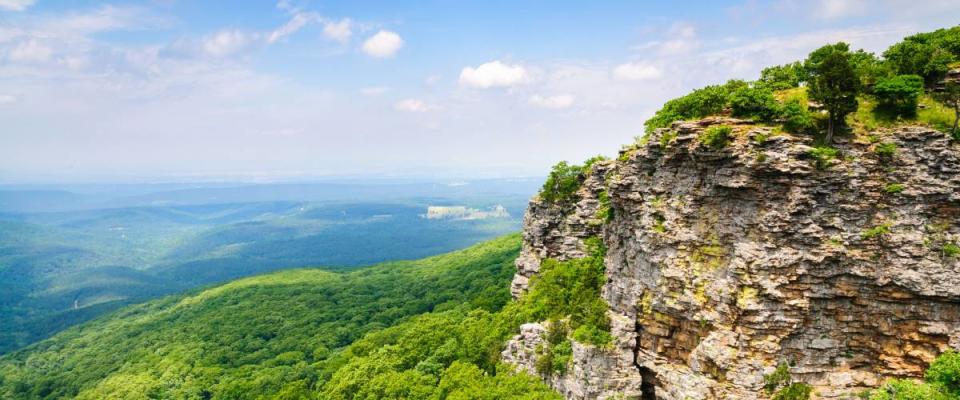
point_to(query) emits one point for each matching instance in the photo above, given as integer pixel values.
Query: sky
(177, 90)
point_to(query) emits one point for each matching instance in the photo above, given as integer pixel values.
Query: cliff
(724, 263)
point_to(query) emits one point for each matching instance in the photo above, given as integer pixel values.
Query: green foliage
(102, 260)
(779, 384)
(463, 381)
(834, 76)
(899, 94)
(564, 179)
(869, 68)
(297, 333)
(877, 231)
(833, 82)
(797, 118)
(823, 156)
(450, 354)
(425, 329)
(795, 391)
(782, 77)
(951, 250)
(942, 382)
(760, 137)
(588, 164)
(716, 137)
(571, 290)
(871, 116)
(893, 188)
(950, 96)
(589, 333)
(902, 389)
(604, 210)
(710, 100)
(666, 138)
(945, 372)
(754, 102)
(926, 54)
(658, 224)
(778, 378)
(885, 150)
(555, 355)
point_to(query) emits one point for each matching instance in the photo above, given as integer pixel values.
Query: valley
(61, 267)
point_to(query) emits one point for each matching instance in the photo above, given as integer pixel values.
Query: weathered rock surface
(722, 264)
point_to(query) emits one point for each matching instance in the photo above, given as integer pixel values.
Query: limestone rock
(722, 264)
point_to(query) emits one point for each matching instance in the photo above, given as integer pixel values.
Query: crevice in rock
(648, 383)
(648, 387)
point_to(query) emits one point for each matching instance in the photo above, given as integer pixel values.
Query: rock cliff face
(721, 264)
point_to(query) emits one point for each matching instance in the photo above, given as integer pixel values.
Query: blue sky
(295, 90)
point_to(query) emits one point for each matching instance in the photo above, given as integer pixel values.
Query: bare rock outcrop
(721, 264)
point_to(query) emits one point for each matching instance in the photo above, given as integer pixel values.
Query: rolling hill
(423, 326)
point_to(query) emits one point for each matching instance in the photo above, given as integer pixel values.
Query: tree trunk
(829, 138)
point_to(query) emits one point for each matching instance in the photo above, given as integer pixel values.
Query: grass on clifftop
(869, 117)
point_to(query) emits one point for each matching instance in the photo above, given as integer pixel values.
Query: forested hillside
(297, 334)
(61, 268)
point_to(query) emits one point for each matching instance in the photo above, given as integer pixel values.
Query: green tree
(782, 77)
(563, 182)
(797, 118)
(942, 382)
(754, 102)
(926, 54)
(899, 94)
(870, 68)
(945, 372)
(706, 101)
(950, 95)
(833, 82)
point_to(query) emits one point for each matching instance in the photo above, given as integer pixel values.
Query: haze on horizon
(177, 90)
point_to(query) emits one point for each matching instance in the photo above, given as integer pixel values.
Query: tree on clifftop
(833, 82)
(950, 95)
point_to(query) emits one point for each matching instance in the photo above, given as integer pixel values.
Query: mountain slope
(61, 268)
(278, 334)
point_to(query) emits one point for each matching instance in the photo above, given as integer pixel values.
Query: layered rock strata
(721, 264)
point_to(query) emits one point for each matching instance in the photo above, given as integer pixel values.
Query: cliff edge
(723, 263)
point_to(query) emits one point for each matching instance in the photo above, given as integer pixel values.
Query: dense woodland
(423, 329)
(278, 335)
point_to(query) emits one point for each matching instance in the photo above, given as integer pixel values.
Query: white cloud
(7, 99)
(553, 102)
(744, 61)
(374, 91)
(284, 132)
(831, 9)
(414, 105)
(383, 44)
(680, 38)
(494, 74)
(16, 5)
(30, 51)
(636, 71)
(298, 21)
(340, 31)
(106, 18)
(225, 43)
(287, 6)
